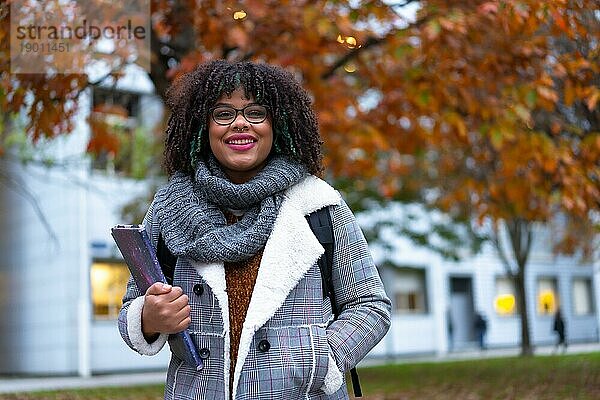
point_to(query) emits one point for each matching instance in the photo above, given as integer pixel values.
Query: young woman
(244, 154)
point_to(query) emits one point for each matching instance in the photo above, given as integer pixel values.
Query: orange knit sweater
(240, 278)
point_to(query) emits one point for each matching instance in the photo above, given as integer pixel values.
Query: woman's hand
(165, 310)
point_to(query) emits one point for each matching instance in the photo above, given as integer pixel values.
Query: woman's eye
(255, 113)
(223, 114)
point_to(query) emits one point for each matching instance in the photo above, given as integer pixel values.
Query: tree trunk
(181, 43)
(519, 282)
(520, 234)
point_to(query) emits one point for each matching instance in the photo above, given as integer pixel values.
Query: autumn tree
(485, 110)
(494, 115)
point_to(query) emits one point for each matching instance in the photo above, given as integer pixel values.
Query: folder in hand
(139, 254)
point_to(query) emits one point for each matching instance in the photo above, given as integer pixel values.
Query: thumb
(158, 288)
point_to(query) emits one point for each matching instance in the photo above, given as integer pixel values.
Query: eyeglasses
(253, 113)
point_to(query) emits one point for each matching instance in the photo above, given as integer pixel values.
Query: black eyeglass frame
(237, 111)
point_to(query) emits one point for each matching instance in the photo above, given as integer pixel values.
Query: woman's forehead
(238, 93)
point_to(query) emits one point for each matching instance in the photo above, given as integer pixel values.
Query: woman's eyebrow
(231, 104)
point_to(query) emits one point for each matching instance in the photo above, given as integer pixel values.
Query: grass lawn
(540, 378)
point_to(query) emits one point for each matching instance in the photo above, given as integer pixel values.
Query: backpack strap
(166, 259)
(321, 225)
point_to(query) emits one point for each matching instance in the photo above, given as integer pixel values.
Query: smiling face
(242, 148)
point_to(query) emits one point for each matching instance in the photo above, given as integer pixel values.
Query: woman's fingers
(166, 309)
(158, 288)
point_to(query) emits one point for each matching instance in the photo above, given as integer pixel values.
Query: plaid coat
(289, 348)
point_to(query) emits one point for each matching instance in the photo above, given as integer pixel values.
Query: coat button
(198, 289)
(264, 345)
(204, 353)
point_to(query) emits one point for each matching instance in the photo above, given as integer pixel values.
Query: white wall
(39, 301)
(108, 351)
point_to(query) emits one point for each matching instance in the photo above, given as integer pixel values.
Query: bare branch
(69, 177)
(371, 42)
(520, 232)
(21, 189)
(401, 4)
(495, 238)
(95, 83)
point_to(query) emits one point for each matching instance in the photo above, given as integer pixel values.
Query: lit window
(546, 296)
(582, 297)
(409, 291)
(505, 302)
(108, 281)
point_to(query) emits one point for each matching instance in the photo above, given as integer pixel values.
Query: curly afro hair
(295, 129)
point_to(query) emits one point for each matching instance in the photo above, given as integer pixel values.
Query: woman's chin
(242, 172)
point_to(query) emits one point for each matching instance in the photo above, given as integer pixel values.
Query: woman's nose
(240, 120)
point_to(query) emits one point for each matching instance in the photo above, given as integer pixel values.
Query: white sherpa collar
(311, 194)
(292, 249)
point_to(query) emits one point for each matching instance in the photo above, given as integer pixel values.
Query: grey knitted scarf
(190, 212)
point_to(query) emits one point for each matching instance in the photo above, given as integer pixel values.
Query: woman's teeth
(240, 141)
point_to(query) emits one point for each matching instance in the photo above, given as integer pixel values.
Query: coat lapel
(292, 249)
(214, 276)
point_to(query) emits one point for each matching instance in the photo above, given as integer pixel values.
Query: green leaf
(434, 28)
(401, 51)
(497, 138)
(424, 98)
(531, 98)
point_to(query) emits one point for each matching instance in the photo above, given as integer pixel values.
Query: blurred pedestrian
(243, 152)
(450, 327)
(559, 327)
(480, 325)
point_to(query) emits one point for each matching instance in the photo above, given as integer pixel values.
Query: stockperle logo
(67, 36)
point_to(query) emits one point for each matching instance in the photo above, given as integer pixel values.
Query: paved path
(470, 354)
(30, 384)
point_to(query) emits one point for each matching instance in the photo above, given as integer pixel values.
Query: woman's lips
(241, 142)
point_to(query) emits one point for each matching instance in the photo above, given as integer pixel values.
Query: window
(546, 296)
(505, 301)
(582, 297)
(113, 123)
(409, 291)
(108, 281)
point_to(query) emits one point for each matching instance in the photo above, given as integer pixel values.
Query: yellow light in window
(238, 15)
(505, 304)
(340, 39)
(546, 302)
(100, 282)
(108, 281)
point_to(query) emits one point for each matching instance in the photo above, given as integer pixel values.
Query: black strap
(320, 223)
(166, 259)
(322, 227)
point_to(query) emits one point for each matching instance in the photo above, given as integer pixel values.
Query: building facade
(436, 301)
